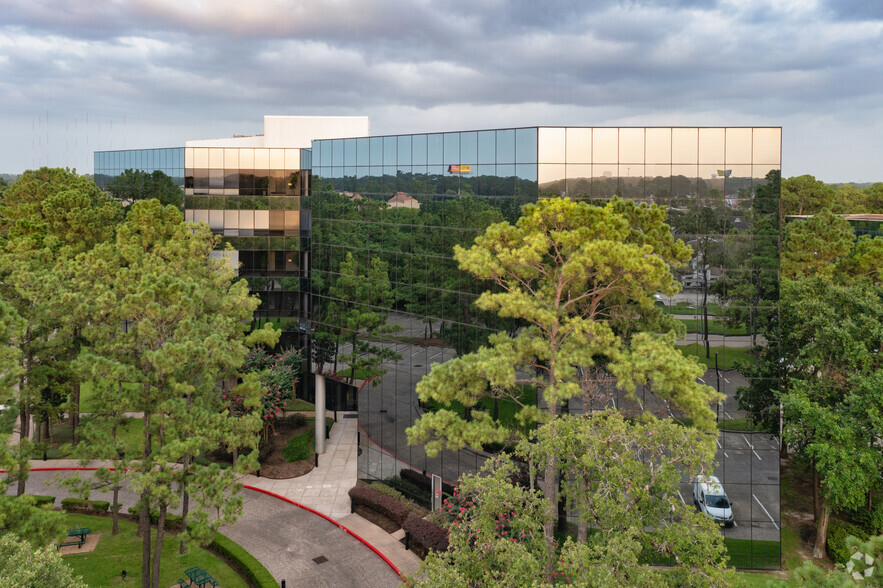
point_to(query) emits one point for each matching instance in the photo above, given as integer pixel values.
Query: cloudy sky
(82, 75)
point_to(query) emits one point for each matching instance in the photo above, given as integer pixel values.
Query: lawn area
(746, 553)
(87, 396)
(129, 436)
(714, 327)
(103, 566)
(726, 356)
(298, 404)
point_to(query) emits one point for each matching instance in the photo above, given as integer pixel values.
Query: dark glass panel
(526, 146)
(389, 151)
(469, 147)
(452, 148)
(436, 149)
(376, 150)
(404, 150)
(487, 147)
(363, 151)
(418, 150)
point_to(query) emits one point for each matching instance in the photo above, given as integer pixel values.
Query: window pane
(578, 146)
(550, 142)
(631, 146)
(684, 145)
(487, 147)
(605, 145)
(526, 145)
(506, 146)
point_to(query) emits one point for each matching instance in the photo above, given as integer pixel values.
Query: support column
(320, 414)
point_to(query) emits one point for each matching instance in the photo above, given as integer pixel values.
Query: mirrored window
(605, 145)
(452, 148)
(404, 150)
(487, 147)
(684, 145)
(376, 149)
(469, 147)
(631, 145)
(246, 159)
(578, 145)
(262, 158)
(526, 146)
(200, 157)
(738, 145)
(336, 152)
(436, 149)
(767, 146)
(711, 146)
(363, 151)
(418, 149)
(551, 145)
(506, 146)
(389, 150)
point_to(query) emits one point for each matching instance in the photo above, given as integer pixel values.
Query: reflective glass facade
(407, 200)
(252, 197)
(110, 164)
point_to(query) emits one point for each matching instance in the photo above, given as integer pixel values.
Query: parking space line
(419, 350)
(721, 448)
(701, 380)
(434, 356)
(726, 380)
(752, 448)
(728, 415)
(682, 498)
(767, 512)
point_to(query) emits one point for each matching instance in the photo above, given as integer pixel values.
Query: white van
(709, 496)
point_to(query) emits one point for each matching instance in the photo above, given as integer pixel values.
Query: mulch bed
(274, 465)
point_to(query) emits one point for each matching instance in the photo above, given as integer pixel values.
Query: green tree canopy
(134, 184)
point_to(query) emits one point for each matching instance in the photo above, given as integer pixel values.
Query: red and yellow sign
(459, 169)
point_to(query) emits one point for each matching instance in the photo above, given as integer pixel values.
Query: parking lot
(747, 464)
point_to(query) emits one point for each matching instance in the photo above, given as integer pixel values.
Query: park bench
(199, 577)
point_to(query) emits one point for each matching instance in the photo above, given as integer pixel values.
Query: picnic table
(200, 577)
(80, 534)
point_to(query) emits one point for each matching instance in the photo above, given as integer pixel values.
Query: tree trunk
(115, 512)
(818, 550)
(144, 531)
(353, 360)
(185, 502)
(816, 512)
(582, 531)
(157, 548)
(551, 491)
(75, 413)
(25, 430)
(705, 309)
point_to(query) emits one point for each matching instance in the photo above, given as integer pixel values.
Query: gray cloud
(198, 69)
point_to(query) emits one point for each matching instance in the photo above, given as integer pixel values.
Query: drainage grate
(351, 416)
(320, 560)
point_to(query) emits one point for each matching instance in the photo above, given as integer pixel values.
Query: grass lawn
(103, 566)
(714, 327)
(88, 402)
(298, 404)
(129, 435)
(746, 553)
(726, 356)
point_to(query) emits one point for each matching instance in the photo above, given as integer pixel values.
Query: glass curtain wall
(252, 197)
(110, 164)
(388, 211)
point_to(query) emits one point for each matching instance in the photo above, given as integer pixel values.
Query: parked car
(710, 497)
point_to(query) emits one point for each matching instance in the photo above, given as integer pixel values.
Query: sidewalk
(326, 490)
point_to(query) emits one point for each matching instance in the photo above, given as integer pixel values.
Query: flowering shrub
(279, 378)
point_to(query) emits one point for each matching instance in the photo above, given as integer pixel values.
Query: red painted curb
(332, 521)
(268, 493)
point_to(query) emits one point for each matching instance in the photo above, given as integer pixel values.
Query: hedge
(242, 560)
(40, 500)
(836, 546)
(84, 506)
(423, 482)
(173, 521)
(386, 490)
(426, 533)
(388, 507)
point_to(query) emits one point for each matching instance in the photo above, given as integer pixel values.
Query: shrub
(256, 573)
(40, 500)
(386, 490)
(85, 506)
(423, 482)
(173, 521)
(407, 488)
(871, 521)
(836, 546)
(299, 448)
(426, 533)
(384, 505)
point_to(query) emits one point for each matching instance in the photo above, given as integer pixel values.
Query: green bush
(173, 522)
(240, 559)
(836, 546)
(299, 448)
(871, 521)
(40, 500)
(84, 506)
(386, 490)
(405, 487)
